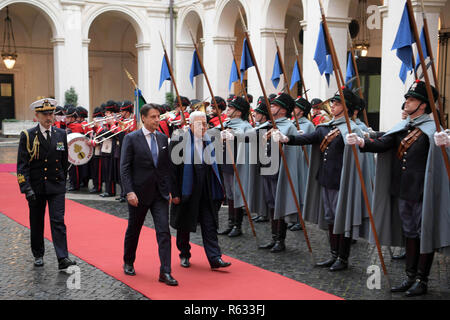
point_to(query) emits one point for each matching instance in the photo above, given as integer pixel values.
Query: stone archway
(35, 27)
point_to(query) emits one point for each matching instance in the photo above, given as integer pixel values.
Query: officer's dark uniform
(329, 178)
(407, 184)
(42, 164)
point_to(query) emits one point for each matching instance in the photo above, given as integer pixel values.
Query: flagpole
(433, 66)
(358, 81)
(289, 91)
(427, 81)
(283, 157)
(241, 84)
(136, 97)
(339, 81)
(300, 69)
(169, 66)
(231, 156)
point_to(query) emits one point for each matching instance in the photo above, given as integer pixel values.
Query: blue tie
(154, 148)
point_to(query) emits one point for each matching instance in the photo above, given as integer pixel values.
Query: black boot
(344, 252)
(412, 251)
(279, 244)
(230, 218)
(237, 229)
(274, 228)
(334, 247)
(420, 287)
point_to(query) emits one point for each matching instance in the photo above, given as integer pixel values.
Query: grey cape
(352, 218)
(435, 231)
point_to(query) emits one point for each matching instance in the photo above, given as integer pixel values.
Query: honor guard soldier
(60, 118)
(237, 114)
(331, 179)
(164, 128)
(175, 123)
(109, 146)
(214, 121)
(96, 162)
(412, 197)
(73, 126)
(42, 163)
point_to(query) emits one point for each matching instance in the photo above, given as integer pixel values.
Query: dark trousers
(159, 209)
(109, 174)
(74, 177)
(56, 208)
(96, 171)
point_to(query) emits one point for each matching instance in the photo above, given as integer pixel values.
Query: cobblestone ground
(20, 280)
(295, 262)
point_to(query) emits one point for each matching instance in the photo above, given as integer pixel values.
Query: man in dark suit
(42, 164)
(197, 190)
(144, 170)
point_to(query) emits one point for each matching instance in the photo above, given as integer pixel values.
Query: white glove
(277, 136)
(366, 134)
(441, 139)
(226, 135)
(353, 139)
(300, 131)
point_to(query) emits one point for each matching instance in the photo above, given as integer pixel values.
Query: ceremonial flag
(195, 67)
(321, 53)
(403, 43)
(233, 75)
(277, 71)
(139, 102)
(165, 73)
(295, 75)
(350, 70)
(329, 69)
(423, 43)
(246, 58)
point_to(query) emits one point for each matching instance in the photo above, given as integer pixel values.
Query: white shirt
(198, 145)
(43, 131)
(148, 137)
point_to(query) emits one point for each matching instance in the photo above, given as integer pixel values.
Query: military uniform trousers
(56, 208)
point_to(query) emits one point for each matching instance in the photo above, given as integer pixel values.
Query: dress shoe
(296, 227)
(236, 232)
(405, 285)
(184, 262)
(420, 287)
(94, 191)
(278, 247)
(339, 265)
(400, 256)
(219, 263)
(122, 200)
(72, 189)
(261, 219)
(39, 262)
(64, 263)
(167, 279)
(106, 195)
(128, 269)
(327, 263)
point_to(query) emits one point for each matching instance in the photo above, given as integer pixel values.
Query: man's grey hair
(196, 114)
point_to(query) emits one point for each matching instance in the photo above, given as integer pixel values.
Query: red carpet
(97, 238)
(8, 167)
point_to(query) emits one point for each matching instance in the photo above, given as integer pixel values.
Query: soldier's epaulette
(33, 151)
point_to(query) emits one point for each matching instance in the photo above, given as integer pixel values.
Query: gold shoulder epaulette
(32, 150)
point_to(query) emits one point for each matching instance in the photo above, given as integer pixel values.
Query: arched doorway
(33, 75)
(112, 50)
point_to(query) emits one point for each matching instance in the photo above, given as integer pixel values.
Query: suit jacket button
(403, 168)
(45, 160)
(45, 178)
(45, 169)
(56, 160)
(405, 153)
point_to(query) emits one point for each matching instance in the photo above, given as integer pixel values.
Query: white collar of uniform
(43, 129)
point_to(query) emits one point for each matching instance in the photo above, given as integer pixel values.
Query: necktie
(47, 137)
(154, 150)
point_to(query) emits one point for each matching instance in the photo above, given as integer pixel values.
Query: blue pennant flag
(321, 53)
(195, 67)
(295, 75)
(403, 72)
(424, 48)
(246, 58)
(329, 69)
(403, 43)
(233, 74)
(165, 73)
(276, 71)
(350, 70)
